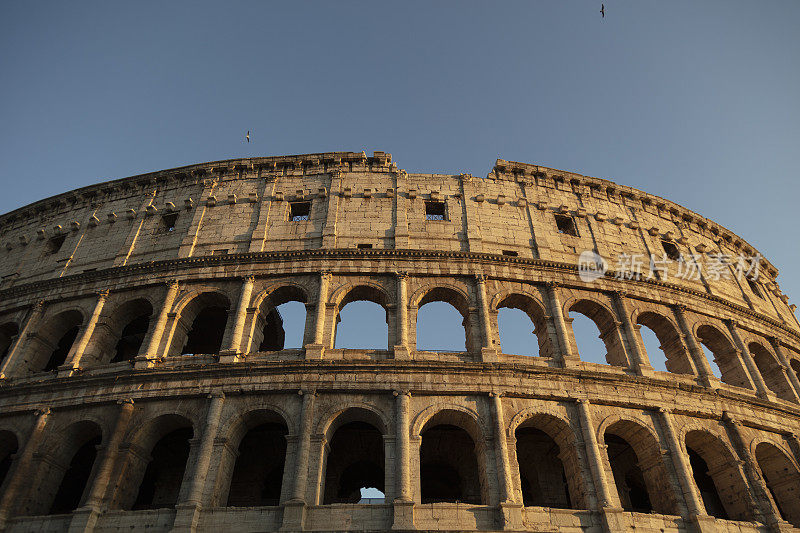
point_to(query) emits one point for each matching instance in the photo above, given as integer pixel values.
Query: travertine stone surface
(170, 246)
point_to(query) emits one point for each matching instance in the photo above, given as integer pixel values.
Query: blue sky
(693, 101)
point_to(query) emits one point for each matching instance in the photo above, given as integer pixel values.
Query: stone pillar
(232, 352)
(510, 511)
(404, 502)
(146, 358)
(18, 483)
(564, 351)
(84, 519)
(79, 346)
(680, 462)
(188, 512)
(705, 375)
(794, 443)
(294, 508)
(488, 351)
(638, 357)
(15, 350)
(791, 376)
(401, 349)
(755, 374)
(315, 350)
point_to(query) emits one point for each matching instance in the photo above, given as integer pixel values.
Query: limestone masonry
(144, 382)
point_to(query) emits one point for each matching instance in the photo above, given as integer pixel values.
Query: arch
(267, 332)
(535, 311)
(8, 334)
(51, 343)
(255, 472)
(640, 475)
(772, 371)
(119, 333)
(668, 335)
(362, 293)
(726, 356)
(606, 324)
(9, 445)
(782, 479)
(452, 459)
(200, 323)
(549, 465)
(454, 297)
(717, 476)
(343, 413)
(355, 456)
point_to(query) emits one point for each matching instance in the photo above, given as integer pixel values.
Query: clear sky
(696, 101)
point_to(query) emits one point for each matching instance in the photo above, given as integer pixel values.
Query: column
(595, 461)
(403, 515)
(707, 378)
(776, 346)
(680, 461)
(18, 478)
(151, 350)
(565, 353)
(638, 357)
(30, 323)
(501, 451)
(758, 380)
(315, 350)
(488, 352)
(294, 508)
(85, 518)
(74, 359)
(401, 350)
(231, 353)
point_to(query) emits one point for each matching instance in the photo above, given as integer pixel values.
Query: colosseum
(145, 383)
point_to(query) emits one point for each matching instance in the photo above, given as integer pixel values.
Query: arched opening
(8, 447)
(131, 338)
(73, 485)
(443, 320)
(163, 476)
(200, 327)
(53, 342)
(663, 344)
(522, 327)
(449, 460)
(8, 334)
(591, 318)
(725, 356)
(717, 477)
(281, 320)
(771, 371)
(355, 459)
(362, 319)
(258, 473)
(782, 479)
(120, 335)
(638, 470)
(795, 365)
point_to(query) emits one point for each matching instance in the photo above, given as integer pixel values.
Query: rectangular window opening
(510, 253)
(220, 252)
(671, 250)
(55, 244)
(299, 211)
(434, 210)
(364, 246)
(754, 287)
(566, 225)
(168, 222)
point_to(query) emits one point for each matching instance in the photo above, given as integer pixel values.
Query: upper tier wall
(241, 206)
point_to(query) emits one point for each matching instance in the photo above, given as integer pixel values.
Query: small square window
(754, 287)
(299, 211)
(364, 246)
(566, 225)
(671, 250)
(220, 252)
(510, 253)
(167, 223)
(434, 210)
(55, 244)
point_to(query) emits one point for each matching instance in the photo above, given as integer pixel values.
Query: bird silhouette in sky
(247, 136)
(602, 10)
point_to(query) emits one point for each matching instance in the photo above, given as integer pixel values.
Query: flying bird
(247, 136)
(602, 10)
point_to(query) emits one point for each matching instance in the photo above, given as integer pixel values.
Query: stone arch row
(312, 451)
(213, 319)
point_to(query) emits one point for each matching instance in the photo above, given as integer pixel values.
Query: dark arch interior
(628, 476)
(70, 491)
(355, 461)
(130, 341)
(258, 473)
(449, 466)
(164, 474)
(208, 328)
(273, 332)
(771, 371)
(59, 356)
(541, 471)
(8, 333)
(782, 479)
(8, 447)
(705, 484)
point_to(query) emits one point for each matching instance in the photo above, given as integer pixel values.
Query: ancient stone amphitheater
(145, 384)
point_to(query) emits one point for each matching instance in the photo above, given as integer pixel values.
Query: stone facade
(144, 385)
